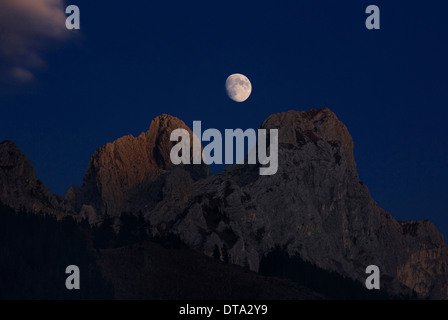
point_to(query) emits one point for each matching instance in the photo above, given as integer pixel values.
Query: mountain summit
(315, 207)
(19, 187)
(123, 171)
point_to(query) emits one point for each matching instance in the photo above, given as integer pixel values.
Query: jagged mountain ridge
(21, 190)
(132, 174)
(314, 207)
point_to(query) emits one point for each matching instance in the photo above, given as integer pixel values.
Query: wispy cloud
(27, 29)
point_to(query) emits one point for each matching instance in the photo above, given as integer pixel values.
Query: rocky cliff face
(132, 174)
(315, 206)
(19, 187)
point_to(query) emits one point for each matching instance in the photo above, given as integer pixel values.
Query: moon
(238, 87)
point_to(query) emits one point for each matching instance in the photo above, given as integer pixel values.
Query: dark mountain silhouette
(36, 249)
(314, 216)
(19, 187)
(34, 253)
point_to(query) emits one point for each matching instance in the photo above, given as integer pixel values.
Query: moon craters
(238, 87)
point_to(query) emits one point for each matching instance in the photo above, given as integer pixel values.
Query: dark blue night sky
(132, 62)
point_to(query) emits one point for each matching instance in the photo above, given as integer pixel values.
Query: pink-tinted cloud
(27, 29)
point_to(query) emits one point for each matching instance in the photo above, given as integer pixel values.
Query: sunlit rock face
(130, 174)
(315, 207)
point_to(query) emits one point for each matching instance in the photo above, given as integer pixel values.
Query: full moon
(238, 87)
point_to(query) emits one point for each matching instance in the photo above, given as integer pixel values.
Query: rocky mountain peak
(314, 207)
(300, 127)
(158, 137)
(119, 169)
(14, 163)
(19, 187)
